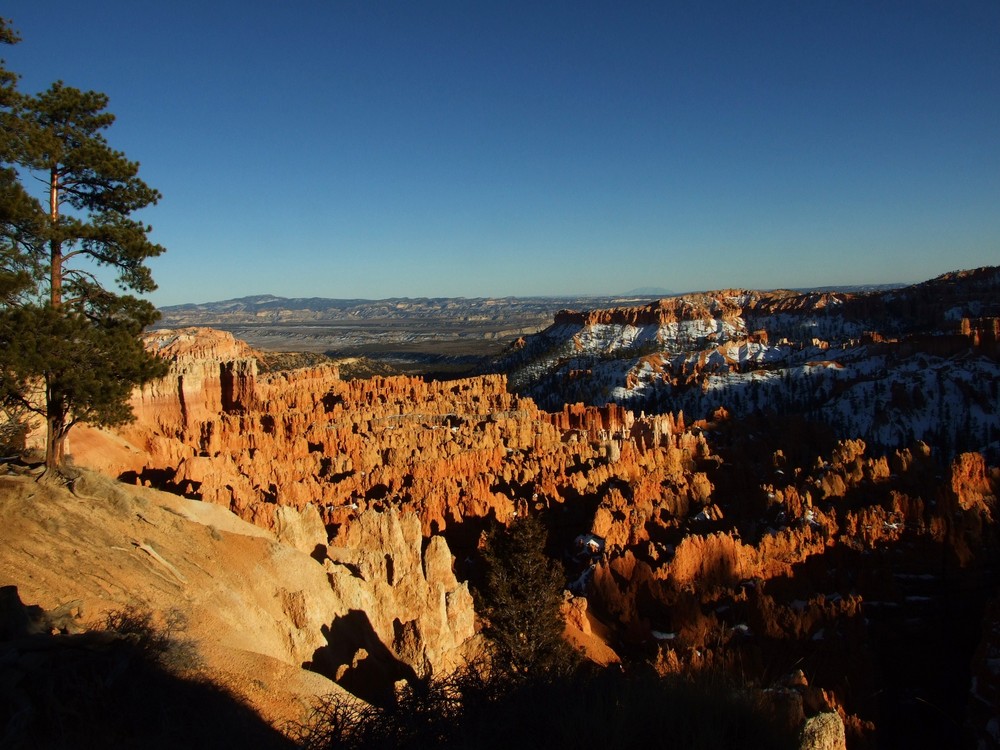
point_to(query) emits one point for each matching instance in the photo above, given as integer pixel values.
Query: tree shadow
(357, 660)
(163, 480)
(106, 689)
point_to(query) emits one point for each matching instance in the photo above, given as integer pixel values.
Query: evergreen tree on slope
(521, 599)
(60, 326)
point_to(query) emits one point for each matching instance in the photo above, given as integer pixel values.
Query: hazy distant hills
(272, 310)
(441, 334)
(413, 333)
(650, 291)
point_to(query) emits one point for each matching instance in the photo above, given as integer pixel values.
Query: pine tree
(521, 600)
(61, 328)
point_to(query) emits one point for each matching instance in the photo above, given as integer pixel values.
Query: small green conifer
(520, 601)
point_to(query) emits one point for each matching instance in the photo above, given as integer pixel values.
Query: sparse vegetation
(268, 361)
(606, 710)
(13, 429)
(163, 642)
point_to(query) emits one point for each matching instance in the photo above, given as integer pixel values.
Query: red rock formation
(723, 549)
(211, 372)
(213, 429)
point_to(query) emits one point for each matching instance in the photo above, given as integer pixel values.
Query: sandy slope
(254, 608)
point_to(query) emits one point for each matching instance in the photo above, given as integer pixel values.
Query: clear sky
(375, 149)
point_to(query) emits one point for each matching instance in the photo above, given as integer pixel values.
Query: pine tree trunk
(52, 447)
(55, 433)
(55, 245)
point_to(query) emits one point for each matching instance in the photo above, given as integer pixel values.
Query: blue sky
(376, 149)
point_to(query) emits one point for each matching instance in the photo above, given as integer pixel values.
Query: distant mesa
(650, 291)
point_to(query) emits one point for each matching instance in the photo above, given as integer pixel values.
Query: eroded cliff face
(209, 374)
(430, 624)
(214, 430)
(753, 545)
(726, 305)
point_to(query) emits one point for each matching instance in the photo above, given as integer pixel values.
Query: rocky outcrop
(210, 372)
(823, 731)
(723, 305)
(587, 633)
(247, 603)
